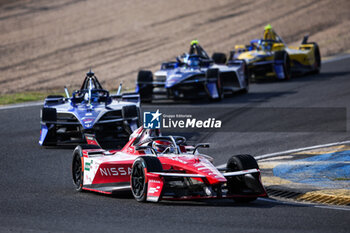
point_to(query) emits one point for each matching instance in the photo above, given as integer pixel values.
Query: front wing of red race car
(157, 189)
(150, 183)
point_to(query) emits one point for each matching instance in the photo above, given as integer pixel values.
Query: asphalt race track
(37, 195)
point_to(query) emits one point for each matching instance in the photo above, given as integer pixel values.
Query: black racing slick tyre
(144, 80)
(236, 184)
(49, 117)
(48, 114)
(129, 111)
(77, 167)
(139, 184)
(317, 55)
(283, 56)
(219, 58)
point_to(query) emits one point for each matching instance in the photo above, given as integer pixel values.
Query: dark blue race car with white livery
(90, 110)
(194, 75)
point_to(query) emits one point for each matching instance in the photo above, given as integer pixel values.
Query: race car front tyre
(236, 184)
(219, 58)
(77, 168)
(317, 56)
(144, 82)
(129, 111)
(138, 175)
(48, 114)
(283, 56)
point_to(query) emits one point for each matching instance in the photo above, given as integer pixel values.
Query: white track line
(300, 149)
(338, 58)
(303, 204)
(259, 157)
(332, 207)
(31, 104)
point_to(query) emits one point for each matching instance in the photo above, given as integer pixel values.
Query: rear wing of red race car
(91, 140)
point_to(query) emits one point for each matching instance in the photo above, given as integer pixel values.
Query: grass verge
(16, 98)
(21, 97)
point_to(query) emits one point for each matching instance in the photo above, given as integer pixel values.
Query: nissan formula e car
(156, 167)
(271, 58)
(193, 75)
(89, 110)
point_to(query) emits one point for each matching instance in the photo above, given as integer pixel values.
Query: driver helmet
(94, 95)
(160, 145)
(264, 45)
(193, 62)
(269, 33)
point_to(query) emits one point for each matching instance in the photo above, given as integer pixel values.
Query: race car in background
(194, 75)
(156, 167)
(270, 57)
(89, 110)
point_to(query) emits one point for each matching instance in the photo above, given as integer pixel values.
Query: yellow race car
(271, 58)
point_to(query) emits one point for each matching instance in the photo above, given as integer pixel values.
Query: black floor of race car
(37, 193)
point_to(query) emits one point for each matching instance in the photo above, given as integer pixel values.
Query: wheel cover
(138, 180)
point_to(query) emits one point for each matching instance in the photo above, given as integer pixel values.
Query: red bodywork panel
(111, 172)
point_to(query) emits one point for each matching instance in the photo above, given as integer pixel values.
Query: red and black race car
(156, 167)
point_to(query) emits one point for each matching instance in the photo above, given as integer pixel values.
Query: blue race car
(194, 75)
(90, 110)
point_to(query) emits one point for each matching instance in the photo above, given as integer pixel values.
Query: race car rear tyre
(236, 183)
(138, 175)
(77, 168)
(283, 55)
(219, 58)
(213, 76)
(144, 80)
(317, 55)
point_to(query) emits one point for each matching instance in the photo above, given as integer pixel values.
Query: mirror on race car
(201, 145)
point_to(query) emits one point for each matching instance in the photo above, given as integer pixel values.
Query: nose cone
(212, 174)
(195, 165)
(87, 122)
(173, 79)
(87, 117)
